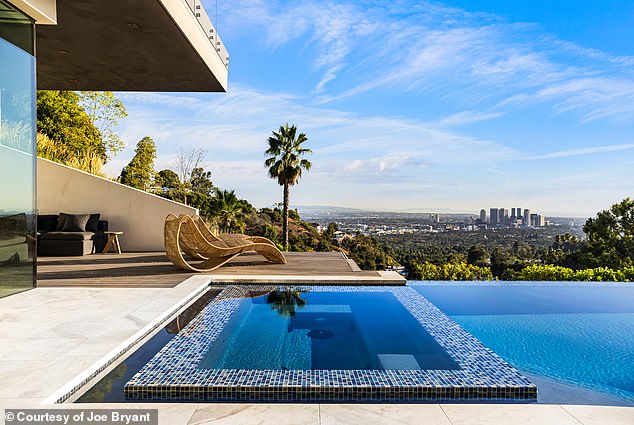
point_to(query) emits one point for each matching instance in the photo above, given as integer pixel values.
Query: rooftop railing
(210, 30)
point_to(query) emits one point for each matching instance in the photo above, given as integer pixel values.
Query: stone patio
(154, 270)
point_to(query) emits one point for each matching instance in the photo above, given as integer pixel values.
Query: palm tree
(228, 211)
(285, 164)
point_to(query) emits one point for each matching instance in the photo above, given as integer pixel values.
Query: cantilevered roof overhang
(129, 45)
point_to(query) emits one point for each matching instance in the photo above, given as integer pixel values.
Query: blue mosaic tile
(173, 373)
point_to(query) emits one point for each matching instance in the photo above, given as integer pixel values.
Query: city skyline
(414, 105)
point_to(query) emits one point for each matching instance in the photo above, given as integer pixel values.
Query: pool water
(580, 334)
(325, 343)
(292, 330)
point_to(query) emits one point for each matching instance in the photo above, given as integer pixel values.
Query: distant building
(435, 218)
(533, 220)
(516, 219)
(538, 220)
(503, 216)
(493, 216)
(341, 236)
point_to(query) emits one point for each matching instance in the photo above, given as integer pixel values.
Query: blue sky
(413, 105)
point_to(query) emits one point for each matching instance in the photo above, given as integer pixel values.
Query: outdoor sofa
(70, 234)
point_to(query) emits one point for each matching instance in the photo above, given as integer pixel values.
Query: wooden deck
(145, 270)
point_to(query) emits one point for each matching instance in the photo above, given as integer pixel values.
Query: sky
(427, 106)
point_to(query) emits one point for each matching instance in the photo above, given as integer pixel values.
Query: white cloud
(421, 46)
(583, 151)
(467, 117)
(381, 165)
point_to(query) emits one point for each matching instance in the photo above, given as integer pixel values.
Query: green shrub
(449, 271)
(558, 273)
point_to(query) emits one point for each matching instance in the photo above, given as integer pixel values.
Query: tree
(331, 230)
(611, 235)
(139, 173)
(186, 163)
(64, 121)
(105, 112)
(228, 211)
(286, 165)
(478, 256)
(167, 179)
(200, 181)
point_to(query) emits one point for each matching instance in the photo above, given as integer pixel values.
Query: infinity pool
(574, 340)
(580, 335)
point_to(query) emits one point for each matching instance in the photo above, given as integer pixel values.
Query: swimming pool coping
(382, 278)
(173, 373)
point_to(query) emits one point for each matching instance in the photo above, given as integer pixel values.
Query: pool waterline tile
(173, 373)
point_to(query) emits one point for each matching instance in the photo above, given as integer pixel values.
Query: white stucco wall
(138, 214)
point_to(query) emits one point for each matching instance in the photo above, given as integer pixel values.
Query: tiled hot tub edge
(173, 373)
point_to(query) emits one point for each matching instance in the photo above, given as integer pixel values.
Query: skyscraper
(483, 215)
(493, 216)
(527, 217)
(503, 216)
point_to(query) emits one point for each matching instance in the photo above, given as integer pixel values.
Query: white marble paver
(252, 414)
(599, 415)
(384, 414)
(48, 336)
(508, 414)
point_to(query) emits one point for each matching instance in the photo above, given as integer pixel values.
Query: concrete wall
(138, 214)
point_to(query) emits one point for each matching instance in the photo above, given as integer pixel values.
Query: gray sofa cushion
(68, 236)
(61, 219)
(93, 223)
(73, 222)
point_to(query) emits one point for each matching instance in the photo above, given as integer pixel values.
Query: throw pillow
(75, 222)
(60, 222)
(93, 223)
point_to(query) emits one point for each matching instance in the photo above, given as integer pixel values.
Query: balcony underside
(127, 45)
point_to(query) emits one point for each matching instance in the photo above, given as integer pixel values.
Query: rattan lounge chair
(228, 238)
(183, 234)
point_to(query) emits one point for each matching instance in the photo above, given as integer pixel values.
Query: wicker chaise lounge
(228, 238)
(183, 234)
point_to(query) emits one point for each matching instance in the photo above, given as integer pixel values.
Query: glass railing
(210, 30)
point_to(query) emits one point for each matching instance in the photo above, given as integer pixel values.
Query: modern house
(118, 45)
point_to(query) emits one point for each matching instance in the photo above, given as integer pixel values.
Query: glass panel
(17, 154)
